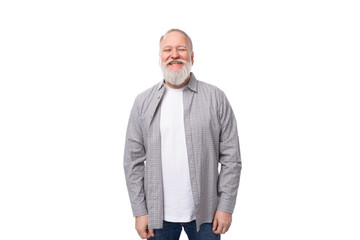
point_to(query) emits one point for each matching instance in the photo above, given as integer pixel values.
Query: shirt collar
(192, 84)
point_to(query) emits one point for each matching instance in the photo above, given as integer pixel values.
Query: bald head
(189, 42)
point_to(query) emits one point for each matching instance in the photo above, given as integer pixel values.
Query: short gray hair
(180, 31)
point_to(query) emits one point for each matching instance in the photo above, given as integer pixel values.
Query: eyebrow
(177, 46)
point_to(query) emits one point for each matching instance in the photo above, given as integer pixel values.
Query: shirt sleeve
(229, 157)
(134, 166)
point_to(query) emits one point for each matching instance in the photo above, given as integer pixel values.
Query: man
(178, 132)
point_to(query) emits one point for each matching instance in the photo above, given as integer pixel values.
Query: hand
(141, 226)
(222, 222)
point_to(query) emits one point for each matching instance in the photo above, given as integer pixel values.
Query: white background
(70, 71)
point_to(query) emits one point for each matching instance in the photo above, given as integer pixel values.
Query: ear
(192, 58)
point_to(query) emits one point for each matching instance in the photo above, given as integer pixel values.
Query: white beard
(178, 77)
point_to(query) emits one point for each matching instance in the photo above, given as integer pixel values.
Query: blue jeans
(172, 231)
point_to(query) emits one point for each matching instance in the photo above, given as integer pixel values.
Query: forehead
(174, 39)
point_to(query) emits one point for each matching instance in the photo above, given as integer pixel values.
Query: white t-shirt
(178, 199)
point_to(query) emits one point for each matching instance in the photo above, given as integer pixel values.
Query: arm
(230, 160)
(134, 166)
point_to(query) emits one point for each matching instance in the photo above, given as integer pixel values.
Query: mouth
(174, 62)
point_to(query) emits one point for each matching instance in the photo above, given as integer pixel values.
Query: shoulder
(211, 90)
(209, 87)
(144, 97)
(214, 96)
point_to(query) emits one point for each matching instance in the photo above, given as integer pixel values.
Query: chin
(178, 76)
(176, 70)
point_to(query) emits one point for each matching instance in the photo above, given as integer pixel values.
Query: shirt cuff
(139, 209)
(226, 205)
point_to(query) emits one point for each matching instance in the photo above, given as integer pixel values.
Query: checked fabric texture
(211, 139)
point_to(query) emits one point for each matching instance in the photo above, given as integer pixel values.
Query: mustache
(174, 60)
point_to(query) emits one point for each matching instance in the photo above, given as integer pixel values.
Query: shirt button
(158, 97)
(151, 116)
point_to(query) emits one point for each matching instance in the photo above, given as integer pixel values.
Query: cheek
(185, 57)
(164, 57)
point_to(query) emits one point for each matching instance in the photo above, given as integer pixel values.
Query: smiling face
(176, 58)
(175, 51)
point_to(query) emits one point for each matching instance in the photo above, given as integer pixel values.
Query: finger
(226, 227)
(223, 230)
(215, 224)
(151, 231)
(218, 231)
(143, 234)
(220, 228)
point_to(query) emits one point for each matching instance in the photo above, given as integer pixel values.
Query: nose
(174, 54)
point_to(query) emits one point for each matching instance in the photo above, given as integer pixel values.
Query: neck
(178, 86)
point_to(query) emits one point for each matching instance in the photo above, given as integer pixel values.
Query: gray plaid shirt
(211, 138)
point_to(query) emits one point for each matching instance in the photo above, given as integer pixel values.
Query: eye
(182, 49)
(166, 50)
